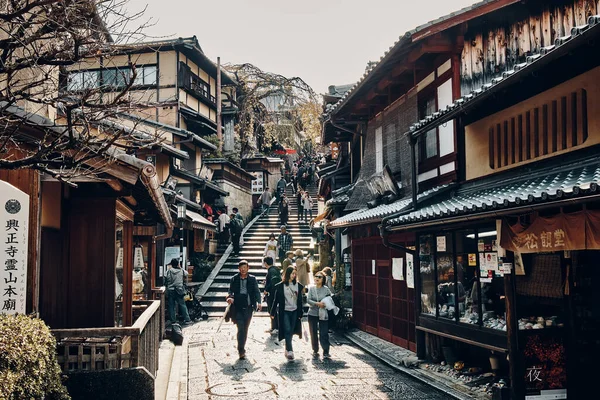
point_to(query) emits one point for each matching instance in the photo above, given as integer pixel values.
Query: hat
(283, 227)
(299, 253)
(287, 253)
(242, 262)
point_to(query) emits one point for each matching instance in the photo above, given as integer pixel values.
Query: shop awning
(199, 222)
(503, 195)
(203, 183)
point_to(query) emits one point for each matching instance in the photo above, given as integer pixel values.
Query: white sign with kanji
(14, 213)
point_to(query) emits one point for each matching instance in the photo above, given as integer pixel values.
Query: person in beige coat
(302, 267)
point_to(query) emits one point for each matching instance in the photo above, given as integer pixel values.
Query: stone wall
(239, 197)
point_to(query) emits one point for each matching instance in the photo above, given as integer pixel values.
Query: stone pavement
(213, 370)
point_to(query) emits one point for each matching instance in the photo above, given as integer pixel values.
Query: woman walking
(302, 268)
(284, 211)
(271, 248)
(288, 305)
(318, 316)
(307, 204)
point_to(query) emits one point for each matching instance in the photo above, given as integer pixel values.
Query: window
(378, 150)
(146, 75)
(559, 124)
(82, 80)
(465, 283)
(116, 77)
(426, 268)
(428, 142)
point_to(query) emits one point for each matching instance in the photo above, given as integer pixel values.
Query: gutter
(480, 216)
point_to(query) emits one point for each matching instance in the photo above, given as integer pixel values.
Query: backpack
(236, 226)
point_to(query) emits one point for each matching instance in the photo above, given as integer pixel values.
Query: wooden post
(219, 128)
(127, 272)
(512, 331)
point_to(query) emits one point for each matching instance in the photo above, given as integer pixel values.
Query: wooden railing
(93, 349)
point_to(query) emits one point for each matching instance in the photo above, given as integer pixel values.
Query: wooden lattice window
(558, 125)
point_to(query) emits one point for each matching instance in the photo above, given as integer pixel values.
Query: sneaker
(274, 332)
(290, 355)
(316, 354)
(185, 323)
(327, 356)
(242, 356)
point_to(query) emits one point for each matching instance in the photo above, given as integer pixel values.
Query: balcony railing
(94, 349)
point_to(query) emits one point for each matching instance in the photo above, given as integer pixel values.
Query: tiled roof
(403, 40)
(340, 196)
(577, 181)
(507, 77)
(375, 214)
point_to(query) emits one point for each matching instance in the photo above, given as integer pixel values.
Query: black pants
(274, 321)
(242, 320)
(284, 218)
(235, 240)
(319, 332)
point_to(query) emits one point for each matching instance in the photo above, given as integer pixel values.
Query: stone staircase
(252, 250)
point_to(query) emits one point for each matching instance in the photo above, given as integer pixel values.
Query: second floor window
(429, 142)
(111, 78)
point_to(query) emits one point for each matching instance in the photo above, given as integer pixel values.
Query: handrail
(143, 320)
(213, 274)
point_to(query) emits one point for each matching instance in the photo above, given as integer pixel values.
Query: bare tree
(259, 124)
(40, 41)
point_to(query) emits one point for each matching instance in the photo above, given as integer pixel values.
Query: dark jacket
(279, 306)
(234, 291)
(273, 278)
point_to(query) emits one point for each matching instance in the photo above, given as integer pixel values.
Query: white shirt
(223, 220)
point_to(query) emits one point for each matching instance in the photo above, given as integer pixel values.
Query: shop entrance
(383, 301)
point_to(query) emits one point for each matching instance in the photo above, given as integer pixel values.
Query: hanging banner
(575, 231)
(138, 258)
(14, 212)
(410, 272)
(398, 269)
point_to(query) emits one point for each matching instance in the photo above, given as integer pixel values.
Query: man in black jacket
(273, 278)
(244, 296)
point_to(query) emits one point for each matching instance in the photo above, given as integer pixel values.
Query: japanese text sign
(14, 214)
(575, 231)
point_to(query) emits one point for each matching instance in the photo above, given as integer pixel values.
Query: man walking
(284, 243)
(235, 227)
(244, 297)
(281, 184)
(273, 278)
(265, 199)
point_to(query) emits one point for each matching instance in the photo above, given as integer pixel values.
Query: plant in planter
(28, 366)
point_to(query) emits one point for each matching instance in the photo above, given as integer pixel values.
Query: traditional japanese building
(484, 249)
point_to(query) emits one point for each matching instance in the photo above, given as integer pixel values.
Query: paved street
(214, 371)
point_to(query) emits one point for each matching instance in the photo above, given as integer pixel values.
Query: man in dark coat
(244, 296)
(273, 278)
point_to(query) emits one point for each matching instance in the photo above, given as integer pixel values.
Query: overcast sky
(324, 42)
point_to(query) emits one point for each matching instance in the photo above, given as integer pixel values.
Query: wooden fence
(94, 349)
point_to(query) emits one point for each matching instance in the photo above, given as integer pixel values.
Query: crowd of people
(286, 290)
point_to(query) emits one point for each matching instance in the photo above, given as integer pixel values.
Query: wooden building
(491, 111)
(81, 254)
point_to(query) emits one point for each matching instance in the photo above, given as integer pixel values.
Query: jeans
(289, 323)
(306, 211)
(174, 299)
(300, 212)
(242, 320)
(265, 207)
(319, 332)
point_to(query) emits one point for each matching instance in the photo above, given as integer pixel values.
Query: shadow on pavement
(237, 369)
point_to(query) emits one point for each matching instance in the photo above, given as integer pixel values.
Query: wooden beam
(114, 184)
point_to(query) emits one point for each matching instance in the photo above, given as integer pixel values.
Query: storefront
(510, 294)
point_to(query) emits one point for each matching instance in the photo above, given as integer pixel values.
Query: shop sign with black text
(13, 258)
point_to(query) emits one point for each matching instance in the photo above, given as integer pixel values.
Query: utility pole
(219, 128)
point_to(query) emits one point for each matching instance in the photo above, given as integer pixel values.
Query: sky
(324, 42)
